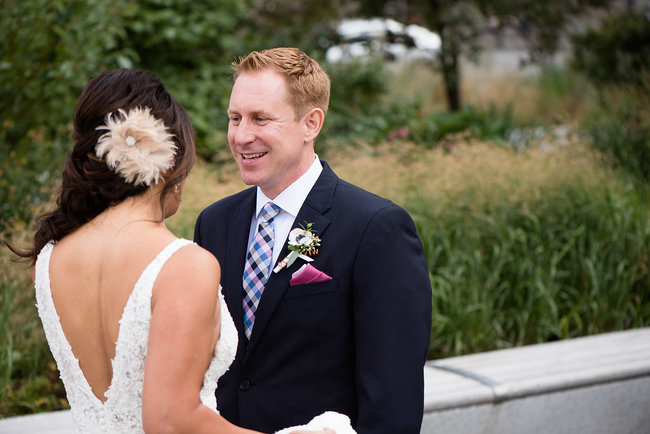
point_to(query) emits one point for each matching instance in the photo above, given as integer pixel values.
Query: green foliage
(489, 124)
(541, 24)
(559, 82)
(190, 45)
(360, 111)
(571, 262)
(357, 90)
(306, 24)
(405, 120)
(616, 52)
(620, 128)
(356, 85)
(49, 49)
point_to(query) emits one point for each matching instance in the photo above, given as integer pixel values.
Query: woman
(132, 314)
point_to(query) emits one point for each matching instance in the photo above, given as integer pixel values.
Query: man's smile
(253, 156)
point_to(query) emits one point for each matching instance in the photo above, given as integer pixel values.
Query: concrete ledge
(56, 422)
(594, 384)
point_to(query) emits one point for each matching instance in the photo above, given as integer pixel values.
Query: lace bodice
(122, 411)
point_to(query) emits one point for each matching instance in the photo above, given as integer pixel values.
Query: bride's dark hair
(88, 185)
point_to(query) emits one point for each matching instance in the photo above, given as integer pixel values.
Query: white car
(363, 37)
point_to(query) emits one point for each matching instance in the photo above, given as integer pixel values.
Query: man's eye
(234, 118)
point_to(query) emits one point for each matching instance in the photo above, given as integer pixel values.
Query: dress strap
(161, 259)
(130, 348)
(144, 286)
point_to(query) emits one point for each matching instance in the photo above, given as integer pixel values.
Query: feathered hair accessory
(137, 146)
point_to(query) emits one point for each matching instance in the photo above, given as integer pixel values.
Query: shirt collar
(292, 197)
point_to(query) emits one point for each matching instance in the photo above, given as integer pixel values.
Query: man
(355, 339)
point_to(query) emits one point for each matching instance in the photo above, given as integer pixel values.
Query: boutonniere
(303, 243)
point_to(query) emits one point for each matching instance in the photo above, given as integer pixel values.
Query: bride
(134, 316)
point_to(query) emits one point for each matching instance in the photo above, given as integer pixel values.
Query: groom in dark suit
(344, 326)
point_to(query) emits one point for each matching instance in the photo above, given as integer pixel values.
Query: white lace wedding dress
(122, 411)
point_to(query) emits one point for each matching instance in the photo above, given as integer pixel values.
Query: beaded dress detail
(122, 411)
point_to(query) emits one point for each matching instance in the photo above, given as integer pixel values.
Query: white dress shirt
(290, 201)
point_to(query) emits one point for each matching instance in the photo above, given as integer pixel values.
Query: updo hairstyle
(89, 186)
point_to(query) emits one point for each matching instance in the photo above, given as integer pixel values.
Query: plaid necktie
(258, 265)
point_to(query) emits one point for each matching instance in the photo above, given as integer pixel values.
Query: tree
(460, 24)
(616, 56)
(306, 24)
(50, 49)
(618, 51)
(190, 45)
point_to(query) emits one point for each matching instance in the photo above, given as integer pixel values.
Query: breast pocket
(314, 289)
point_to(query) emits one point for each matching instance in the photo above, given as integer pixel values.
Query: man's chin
(249, 179)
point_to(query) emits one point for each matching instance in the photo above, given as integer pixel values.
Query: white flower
(301, 237)
(137, 146)
(303, 243)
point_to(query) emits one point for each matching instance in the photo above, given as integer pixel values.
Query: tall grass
(522, 247)
(571, 262)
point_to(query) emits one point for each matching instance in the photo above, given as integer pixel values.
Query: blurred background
(515, 132)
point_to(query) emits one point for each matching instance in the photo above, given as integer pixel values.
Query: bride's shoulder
(192, 265)
(193, 257)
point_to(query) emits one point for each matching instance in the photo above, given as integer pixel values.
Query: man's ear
(313, 122)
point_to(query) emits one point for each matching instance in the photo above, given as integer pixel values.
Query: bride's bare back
(92, 274)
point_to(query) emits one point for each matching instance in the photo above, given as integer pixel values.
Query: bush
(488, 124)
(617, 57)
(616, 52)
(619, 127)
(360, 111)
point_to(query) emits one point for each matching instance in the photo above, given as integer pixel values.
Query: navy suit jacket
(355, 344)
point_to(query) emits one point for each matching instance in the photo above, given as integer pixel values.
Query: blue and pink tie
(258, 265)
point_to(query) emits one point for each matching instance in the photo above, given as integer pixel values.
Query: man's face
(269, 145)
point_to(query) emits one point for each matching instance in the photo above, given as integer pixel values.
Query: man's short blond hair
(308, 84)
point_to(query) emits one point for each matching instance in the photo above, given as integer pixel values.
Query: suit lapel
(316, 204)
(234, 267)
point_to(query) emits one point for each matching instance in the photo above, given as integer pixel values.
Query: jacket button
(245, 385)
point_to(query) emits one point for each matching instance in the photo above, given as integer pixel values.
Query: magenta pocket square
(308, 274)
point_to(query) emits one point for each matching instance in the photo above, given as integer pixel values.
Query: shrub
(616, 52)
(361, 111)
(619, 127)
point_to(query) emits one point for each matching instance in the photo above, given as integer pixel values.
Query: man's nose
(243, 133)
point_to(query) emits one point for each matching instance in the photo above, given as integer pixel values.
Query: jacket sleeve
(392, 319)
